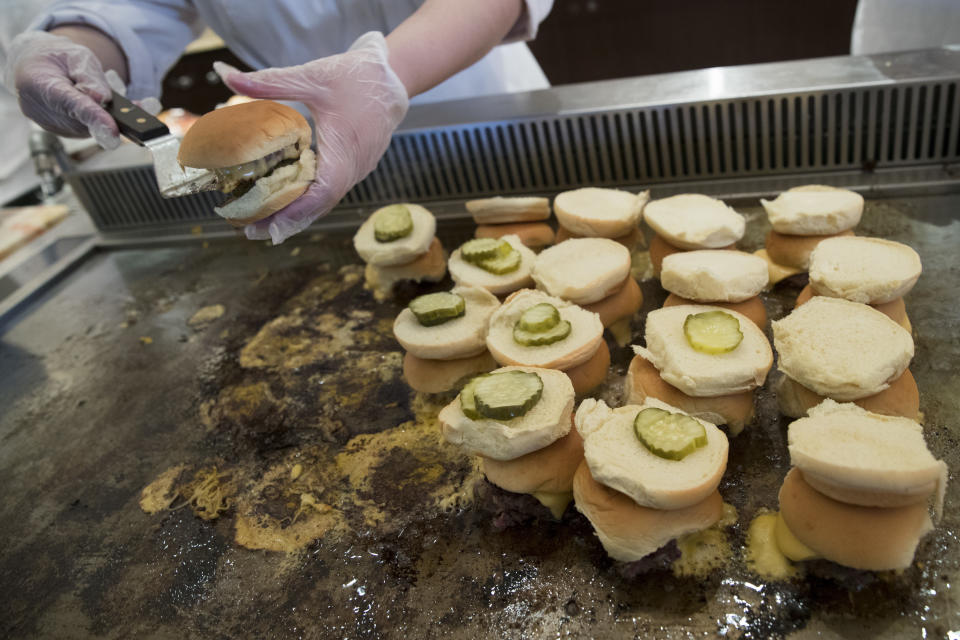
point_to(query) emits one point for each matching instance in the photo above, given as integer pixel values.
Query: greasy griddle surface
(104, 387)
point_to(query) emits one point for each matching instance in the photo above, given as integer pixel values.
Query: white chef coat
(881, 26)
(280, 33)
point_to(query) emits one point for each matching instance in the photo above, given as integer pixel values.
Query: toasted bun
(599, 213)
(465, 273)
(428, 267)
(619, 460)
(660, 249)
(895, 309)
(437, 376)
(704, 374)
(628, 531)
(458, 338)
(630, 239)
(242, 133)
(814, 210)
(586, 376)
(532, 234)
(868, 538)
(794, 251)
(694, 221)
(623, 304)
(549, 469)
(584, 270)
(901, 398)
(643, 381)
(868, 270)
(752, 308)
(402, 250)
(711, 275)
(500, 210)
(586, 334)
(841, 349)
(546, 422)
(271, 193)
(864, 458)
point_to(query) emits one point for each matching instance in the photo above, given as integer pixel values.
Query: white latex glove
(61, 86)
(356, 101)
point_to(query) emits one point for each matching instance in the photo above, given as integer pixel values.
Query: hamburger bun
(900, 398)
(868, 270)
(794, 252)
(427, 267)
(660, 249)
(457, 338)
(695, 221)
(582, 270)
(437, 376)
(775, 271)
(841, 349)
(401, 251)
(599, 213)
(630, 239)
(643, 381)
(588, 375)
(501, 210)
(532, 234)
(867, 538)
(618, 460)
(814, 210)
(625, 302)
(465, 273)
(711, 275)
(548, 470)
(704, 374)
(752, 308)
(895, 309)
(546, 422)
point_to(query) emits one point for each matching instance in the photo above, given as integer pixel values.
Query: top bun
(467, 273)
(582, 270)
(868, 270)
(840, 349)
(599, 213)
(694, 221)
(619, 460)
(242, 133)
(704, 374)
(457, 338)
(714, 275)
(814, 210)
(402, 250)
(500, 210)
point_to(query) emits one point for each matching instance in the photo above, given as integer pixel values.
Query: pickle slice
(712, 332)
(539, 317)
(506, 395)
(501, 264)
(673, 436)
(540, 338)
(392, 223)
(468, 402)
(481, 249)
(436, 308)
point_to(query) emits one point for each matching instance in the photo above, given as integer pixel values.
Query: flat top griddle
(295, 391)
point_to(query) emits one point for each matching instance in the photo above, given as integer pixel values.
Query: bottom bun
(588, 375)
(895, 309)
(868, 538)
(794, 251)
(630, 239)
(623, 303)
(271, 193)
(427, 267)
(660, 249)
(437, 376)
(901, 398)
(532, 234)
(628, 531)
(643, 381)
(547, 470)
(751, 307)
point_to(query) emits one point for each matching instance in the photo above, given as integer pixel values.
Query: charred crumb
(509, 509)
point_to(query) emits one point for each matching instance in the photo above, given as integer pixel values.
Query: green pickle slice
(712, 332)
(673, 436)
(506, 395)
(481, 249)
(540, 338)
(502, 263)
(539, 317)
(392, 223)
(468, 402)
(436, 308)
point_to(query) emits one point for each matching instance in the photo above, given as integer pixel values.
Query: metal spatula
(148, 131)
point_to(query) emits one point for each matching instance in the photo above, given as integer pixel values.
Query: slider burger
(859, 489)
(600, 213)
(534, 329)
(868, 270)
(444, 335)
(649, 475)
(260, 153)
(846, 351)
(801, 218)
(523, 217)
(497, 265)
(519, 421)
(398, 242)
(705, 360)
(688, 222)
(727, 279)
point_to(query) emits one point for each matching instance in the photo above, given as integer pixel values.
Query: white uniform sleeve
(534, 11)
(152, 33)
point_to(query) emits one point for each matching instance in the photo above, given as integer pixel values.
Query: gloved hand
(356, 101)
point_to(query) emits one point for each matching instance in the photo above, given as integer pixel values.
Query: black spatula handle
(134, 122)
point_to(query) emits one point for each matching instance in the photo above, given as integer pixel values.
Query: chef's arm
(103, 46)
